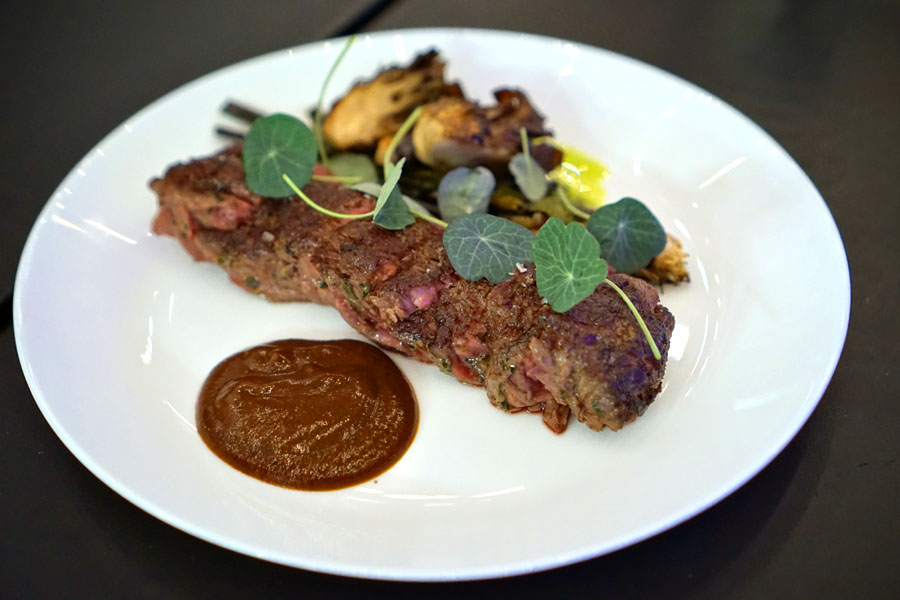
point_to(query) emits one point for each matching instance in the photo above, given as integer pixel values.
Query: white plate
(117, 328)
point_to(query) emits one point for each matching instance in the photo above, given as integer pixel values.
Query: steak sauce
(308, 415)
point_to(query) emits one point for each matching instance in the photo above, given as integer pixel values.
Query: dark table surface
(823, 77)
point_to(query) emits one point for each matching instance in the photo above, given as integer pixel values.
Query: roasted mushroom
(375, 109)
(453, 132)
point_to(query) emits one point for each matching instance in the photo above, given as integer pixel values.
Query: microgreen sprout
(523, 134)
(637, 315)
(296, 189)
(427, 217)
(317, 118)
(395, 141)
(345, 179)
(564, 198)
(528, 174)
(391, 212)
(465, 191)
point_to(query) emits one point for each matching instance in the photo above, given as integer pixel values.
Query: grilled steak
(399, 289)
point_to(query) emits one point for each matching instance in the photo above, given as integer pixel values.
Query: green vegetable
(336, 179)
(574, 210)
(277, 145)
(280, 153)
(296, 189)
(529, 175)
(629, 235)
(374, 189)
(482, 245)
(568, 264)
(465, 191)
(416, 207)
(568, 270)
(317, 115)
(637, 316)
(359, 166)
(395, 141)
(367, 187)
(391, 212)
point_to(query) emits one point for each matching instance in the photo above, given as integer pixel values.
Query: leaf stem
(564, 197)
(322, 209)
(317, 118)
(395, 141)
(526, 152)
(524, 135)
(345, 179)
(337, 215)
(637, 315)
(429, 218)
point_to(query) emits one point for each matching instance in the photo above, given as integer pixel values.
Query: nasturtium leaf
(629, 235)
(529, 176)
(482, 245)
(367, 187)
(568, 267)
(391, 212)
(348, 164)
(464, 191)
(275, 145)
(373, 189)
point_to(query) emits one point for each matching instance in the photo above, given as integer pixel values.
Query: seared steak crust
(399, 289)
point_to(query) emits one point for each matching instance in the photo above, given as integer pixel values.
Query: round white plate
(117, 328)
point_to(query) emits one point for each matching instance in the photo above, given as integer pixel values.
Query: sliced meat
(399, 289)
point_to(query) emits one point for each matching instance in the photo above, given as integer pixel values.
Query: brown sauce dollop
(308, 415)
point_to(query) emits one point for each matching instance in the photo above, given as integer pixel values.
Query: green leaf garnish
(391, 212)
(481, 245)
(574, 210)
(317, 115)
(528, 174)
(336, 179)
(398, 136)
(464, 191)
(568, 264)
(374, 189)
(629, 234)
(347, 164)
(653, 347)
(276, 145)
(296, 189)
